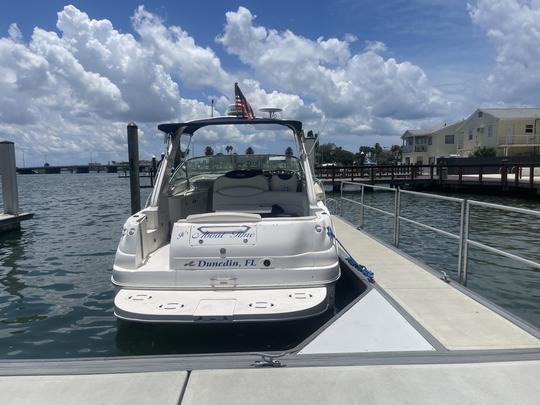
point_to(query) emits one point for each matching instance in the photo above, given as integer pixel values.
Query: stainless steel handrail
(465, 218)
(435, 196)
(505, 208)
(362, 204)
(462, 221)
(467, 241)
(368, 206)
(329, 201)
(431, 228)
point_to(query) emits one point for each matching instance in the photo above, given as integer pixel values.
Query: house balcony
(415, 148)
(520, 140)
(408, 148)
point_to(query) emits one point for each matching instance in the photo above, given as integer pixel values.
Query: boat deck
(159, 259)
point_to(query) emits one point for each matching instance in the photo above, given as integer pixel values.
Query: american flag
(242, 106)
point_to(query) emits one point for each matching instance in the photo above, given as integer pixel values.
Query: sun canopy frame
(191, 126)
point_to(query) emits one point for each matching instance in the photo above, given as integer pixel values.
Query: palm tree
(289, 151)
(228, 148)
(250, 151)
(208, 151)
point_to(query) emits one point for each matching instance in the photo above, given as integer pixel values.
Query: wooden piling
(11, 217)
(9, 178)
(133, 153)
(153, 171)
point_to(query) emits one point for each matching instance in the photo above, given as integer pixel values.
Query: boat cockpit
(272, 186)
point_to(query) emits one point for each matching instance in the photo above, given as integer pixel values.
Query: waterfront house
(425, 146)
(510, 131)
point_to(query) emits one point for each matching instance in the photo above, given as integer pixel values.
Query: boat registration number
(222, 235)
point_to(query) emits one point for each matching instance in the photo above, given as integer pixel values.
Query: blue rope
(361, 268)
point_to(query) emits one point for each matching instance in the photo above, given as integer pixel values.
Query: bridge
(109, 168)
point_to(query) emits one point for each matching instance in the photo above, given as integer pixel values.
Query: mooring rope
(361, 268)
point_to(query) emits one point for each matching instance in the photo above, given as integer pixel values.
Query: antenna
(272, 111)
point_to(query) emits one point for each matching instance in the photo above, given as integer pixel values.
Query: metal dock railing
(462, 237)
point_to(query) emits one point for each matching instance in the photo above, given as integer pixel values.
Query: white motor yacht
(228, 238)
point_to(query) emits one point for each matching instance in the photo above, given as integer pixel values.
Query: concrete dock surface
(455, 319)
(445, 384)
(118, 389)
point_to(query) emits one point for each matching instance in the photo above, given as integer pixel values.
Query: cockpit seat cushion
(240, 183)
(245, 190)
(284, 182)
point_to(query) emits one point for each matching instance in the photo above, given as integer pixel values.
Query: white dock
(9, 222)
(453, 350)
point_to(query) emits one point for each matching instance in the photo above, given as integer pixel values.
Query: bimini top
(191, 126)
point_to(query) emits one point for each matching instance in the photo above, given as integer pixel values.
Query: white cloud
(513, 26)
(342, 84)
(375, 46)
(146, 86)
(176, 50)
(15, 33)
(70, 92)
(73, 91)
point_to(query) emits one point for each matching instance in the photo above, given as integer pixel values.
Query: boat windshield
(211, 167)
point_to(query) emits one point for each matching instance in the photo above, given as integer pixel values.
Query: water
(55, 290)
(510, 284)
(55, 271)
(56, 296)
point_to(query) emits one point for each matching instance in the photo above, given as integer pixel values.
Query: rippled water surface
(56, 295)
(55, 271)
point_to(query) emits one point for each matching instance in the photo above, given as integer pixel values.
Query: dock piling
(11, 218)
(153, 171)
(133, 153)
(9, 178)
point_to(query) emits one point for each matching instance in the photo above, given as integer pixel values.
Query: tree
(397, 151)
(364, 153)
(250, 151)
(325, 152)
(484, 152)
(208, 151)
(330, 153)
(228, 148)
(377, 151)
(289, 151)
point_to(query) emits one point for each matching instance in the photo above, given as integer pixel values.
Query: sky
(72, 75)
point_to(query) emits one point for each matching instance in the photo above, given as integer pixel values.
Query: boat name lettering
(221, 235)
(226, 263)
